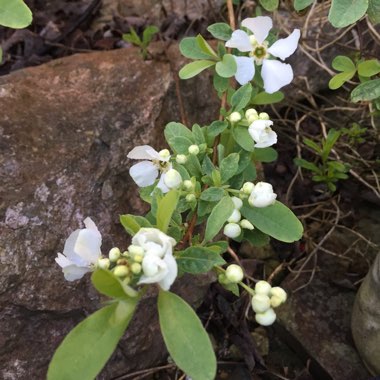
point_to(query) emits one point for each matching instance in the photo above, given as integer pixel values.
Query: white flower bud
(262, 195)
(138, 258)
(164, 153)
(114, 254)
(181, 159)
(248, 188)
(234, 117)
(104, 263)
(260, 303)
(121, 271)
(190, 198)
(238, 203)
(264, 116)
(263, 287)
(251, 115)
(246, 224)
(235, 217)
(188, 185)
(262, 133)
(135, 250)
(278, 296)
(232, 230)
(172, 179)
(193, 149)
(267, 318)
(234, 273)
(136, 268)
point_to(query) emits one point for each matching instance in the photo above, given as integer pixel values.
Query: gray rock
(66, 128)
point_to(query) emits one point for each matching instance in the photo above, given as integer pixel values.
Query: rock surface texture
(65, 130)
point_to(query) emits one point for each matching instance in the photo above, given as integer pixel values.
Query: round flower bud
(172, 179)
(232, 230)
(262, 195)
(104, 263)
(114, 254)
(263, 116)
(190, 198)
(260, 303)
(238, 203)
(188, 185)
(251, 115)
(193, 149)
(138, 258)
(234, 117)
(164, 153)
(136, 268)
(248, 188)
(235, 217)
(278, 296)
(267, 318)
(246, 224)
(121, 271)
(234, 273)
(263, 287)
(181, 159)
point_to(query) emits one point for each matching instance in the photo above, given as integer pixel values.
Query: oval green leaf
(185, 337)
(299, 5)
(345, 12)
(166, 207)
(366, 91)
(15, 14)
(194, 68)
(227, 67)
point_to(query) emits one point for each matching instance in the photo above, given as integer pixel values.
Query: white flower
(158, 264)
(260, 303)
(278, 296)
(146, 172)
(263, 287)
(275, 74)
(262, 133)
(81, 251)
(246, 224)
(234, 273)
(262, 195)
(234, 117)
(238, 203)
(234, 217)
(266, 318)
(232, 230)
(172, 179)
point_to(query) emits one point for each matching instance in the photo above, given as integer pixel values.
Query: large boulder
(66, 128)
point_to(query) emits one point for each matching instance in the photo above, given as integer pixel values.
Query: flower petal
(161, 184)
(245, 69)
(168, 280)
(143, 152)
(144, 173)
(239, 40)
(153, 264)
(63, 261)
(275, 75)
(259, 26)
(89, 223)
(74, 272)
(87, 247)
(285, 47)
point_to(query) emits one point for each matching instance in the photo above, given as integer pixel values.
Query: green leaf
(328, 144)
(132, 223)
(299, 5)
(269, 5)
(233, 288)
(194, 68)
(205, 47)
(345, 12)
(107, 283)
(374, 11)
(229, 166)
(343, 63)
(220, 31)
(166, 207)
(198, 134)
(306, 165)
(149, 33)
(220, 213)
(212, 194)
(15, 14)
(132, 37)
(340, 79)
(311, 144)
(241, 97)
(265, 154)
(197, 260)
(243, 138)
(220, 83)
(86, 349)
(369, 68)
(180, 144)
(227, 67)
(218, 246)
(275, 220)
(174, 129)
(190, 48)
(185, 337)
(366, 91)
(256, 237)
(264, 98)
(216, 128)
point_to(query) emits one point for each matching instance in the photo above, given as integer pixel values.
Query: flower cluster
(267, 298)
(275, 74)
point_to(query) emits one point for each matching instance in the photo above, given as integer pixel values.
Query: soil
(244, 350)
